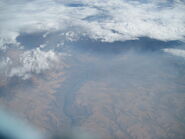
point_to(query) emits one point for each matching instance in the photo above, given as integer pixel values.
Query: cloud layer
(176, 52)
(104, 20)
(109, 20)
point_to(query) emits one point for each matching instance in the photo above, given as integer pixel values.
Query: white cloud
(131, 21)
(31, 62)
(5, 62)
(176, 52)
(108, 20)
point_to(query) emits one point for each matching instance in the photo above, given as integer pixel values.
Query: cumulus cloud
(176, 52)
(34, 61)
(108, 21)
(5, 62)
(28, 63)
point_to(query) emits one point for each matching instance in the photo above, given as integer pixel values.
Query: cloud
(109, 21)
(104, 20)
(176, 52)
(5, 63)
(34, 61)
(29, 62)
